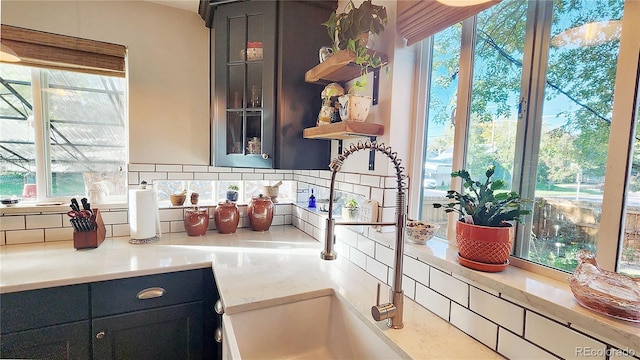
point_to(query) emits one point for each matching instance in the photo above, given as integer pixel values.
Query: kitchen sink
(317, 325)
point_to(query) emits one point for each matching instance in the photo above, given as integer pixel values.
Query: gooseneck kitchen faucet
(392, 312)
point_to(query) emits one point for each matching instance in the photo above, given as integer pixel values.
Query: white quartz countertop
(252, 269)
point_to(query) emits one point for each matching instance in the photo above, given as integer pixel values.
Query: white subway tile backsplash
(389, 198)
(358, 258)
(205, 176)
(282, 209)
(408, 285)
(169, 168)
(16, 222)
(229, 176)
(416, 270)
(195, 168)
(142, 167)
(478, 327)
(377, 194)
(150, 177)
(243, 170)
(352, 178)
(219, 169)
(253, 176)
(499, 311)
(449, 286)
(558, 339)
(179, 176)
(366, 245)
(278, 220)
(516, 348)
(125, 229)
(377, 269)
(44, 221)
(176, 226)
(362, 190)
(2, 238)
(115, 217)
(370, 180)
(133, 178)
(274, 177)
(171, 214)
(433, 301)
(58, 234)
(385, 255)
(24, 236)
(349, 237)
(346, 187)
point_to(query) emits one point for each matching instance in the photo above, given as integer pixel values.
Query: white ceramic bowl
(420, 232)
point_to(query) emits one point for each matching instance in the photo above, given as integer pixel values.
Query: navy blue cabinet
(164, 316)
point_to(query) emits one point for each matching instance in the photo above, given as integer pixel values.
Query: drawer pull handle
(100, 335)
(219, 309)
(217, 335)
(150, 293)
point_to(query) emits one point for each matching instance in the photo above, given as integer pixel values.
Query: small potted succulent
(350, 210)
(485, 230)
(232, 193)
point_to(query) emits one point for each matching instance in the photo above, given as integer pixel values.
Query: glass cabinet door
(240, 75)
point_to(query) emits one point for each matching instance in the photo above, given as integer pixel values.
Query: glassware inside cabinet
(235, 132)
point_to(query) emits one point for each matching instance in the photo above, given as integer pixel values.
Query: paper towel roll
(144, 218)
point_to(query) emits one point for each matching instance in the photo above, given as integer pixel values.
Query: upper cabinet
(260, 100)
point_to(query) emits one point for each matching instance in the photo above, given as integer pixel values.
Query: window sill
(542, 294)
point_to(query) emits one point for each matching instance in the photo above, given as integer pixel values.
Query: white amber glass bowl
(603, 291)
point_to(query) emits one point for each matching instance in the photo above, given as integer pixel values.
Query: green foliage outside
(64, 184)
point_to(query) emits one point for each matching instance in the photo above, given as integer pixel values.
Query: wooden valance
(42, 49)
(419, 19)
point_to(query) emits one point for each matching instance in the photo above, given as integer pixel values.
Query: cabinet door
(172, 332)
(243, 96)
(67, 341)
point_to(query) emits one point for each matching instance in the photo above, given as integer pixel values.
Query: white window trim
(618, 162)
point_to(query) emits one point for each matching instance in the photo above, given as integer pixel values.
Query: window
(68, 128)
(545, 105)
(62, 117)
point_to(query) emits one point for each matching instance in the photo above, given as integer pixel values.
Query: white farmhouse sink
(319, 325)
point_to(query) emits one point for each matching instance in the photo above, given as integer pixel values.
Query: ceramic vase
(354, 107)
(260, 211)
(226, 217)
(196, 221)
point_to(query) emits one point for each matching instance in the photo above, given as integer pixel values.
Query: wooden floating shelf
(343, 130)
(339, 67)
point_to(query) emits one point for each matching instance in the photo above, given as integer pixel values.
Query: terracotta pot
(226, 216)
(484, 244)
(260, 211)
(196, 221)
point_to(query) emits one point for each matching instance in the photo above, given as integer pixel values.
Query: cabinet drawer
(44, 307)
(145, 292)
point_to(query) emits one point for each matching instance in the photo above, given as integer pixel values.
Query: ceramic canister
(226, 217)
(260, 213)
(196, 221)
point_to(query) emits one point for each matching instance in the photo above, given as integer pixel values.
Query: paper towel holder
(156, 237)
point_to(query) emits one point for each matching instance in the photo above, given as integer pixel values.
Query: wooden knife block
(90, 239)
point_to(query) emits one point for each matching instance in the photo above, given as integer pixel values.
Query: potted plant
(350, 30)
(232, 193)
(350, 210)
(484, 232)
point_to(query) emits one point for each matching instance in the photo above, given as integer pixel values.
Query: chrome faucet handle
(384, 311)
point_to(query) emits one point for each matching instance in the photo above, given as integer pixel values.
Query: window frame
(625, 106)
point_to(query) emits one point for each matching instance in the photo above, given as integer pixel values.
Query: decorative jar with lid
(226, 217)
(196, 221)
(260, 211)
